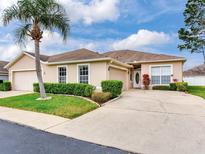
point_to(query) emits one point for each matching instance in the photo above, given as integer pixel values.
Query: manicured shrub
(5, 86)
(182, 86)
(112, 86)
(101, 97)
(77, 89)
(146, 81)
(161, 87)
(173, 86)
(88, 90)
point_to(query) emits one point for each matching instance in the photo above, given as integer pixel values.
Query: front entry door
(137, 79)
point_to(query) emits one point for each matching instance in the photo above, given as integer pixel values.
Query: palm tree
(37, 16)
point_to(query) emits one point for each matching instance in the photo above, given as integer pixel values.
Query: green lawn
(64, 106)
(197, 90)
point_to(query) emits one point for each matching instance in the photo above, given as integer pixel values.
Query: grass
(197, 90)
(64, 106)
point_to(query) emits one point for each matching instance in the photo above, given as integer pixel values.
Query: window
(161, 74)
(83, 73)
(62, 74)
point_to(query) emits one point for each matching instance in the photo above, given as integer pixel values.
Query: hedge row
(112, 86)
(77, 89)
(5, 86)
(178, 86)
(161, 87)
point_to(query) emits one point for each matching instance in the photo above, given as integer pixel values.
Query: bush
(5, 86)
(173, 86)
(66, 88)
(160, 87)
(182, 86)
(146, 81)
(101, 97)
(112, 86)
(79, 89)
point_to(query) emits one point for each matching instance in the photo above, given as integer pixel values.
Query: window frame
(62, 66)
(163, 65)
(78, 71)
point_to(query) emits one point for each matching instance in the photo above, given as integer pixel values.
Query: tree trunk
(38, 70)
(203, 55)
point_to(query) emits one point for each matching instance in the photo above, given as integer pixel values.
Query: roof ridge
(143, 52)
(75, 51)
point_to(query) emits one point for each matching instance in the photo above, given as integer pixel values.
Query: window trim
(66, 66)
(78, 71)
(162, 65)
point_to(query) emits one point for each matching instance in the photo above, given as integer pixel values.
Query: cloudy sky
(104, 25)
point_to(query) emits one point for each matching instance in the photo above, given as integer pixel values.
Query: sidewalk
(32, 119)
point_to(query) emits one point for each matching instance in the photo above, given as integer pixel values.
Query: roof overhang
(79, 61)
(120, 63)
(157, 61)
(19, 57)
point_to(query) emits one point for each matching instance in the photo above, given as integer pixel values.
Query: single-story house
(85, 66)
(3, 71)
(195, 76)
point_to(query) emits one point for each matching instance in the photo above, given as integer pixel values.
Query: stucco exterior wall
(177, 68)
(98, 71)
(117, 74)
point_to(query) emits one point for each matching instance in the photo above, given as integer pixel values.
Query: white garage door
(195, 81)
(24, 80)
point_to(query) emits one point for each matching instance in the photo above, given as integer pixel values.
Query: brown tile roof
(129, 56)
(125, 56)
(81, 54)
(42, 57)
(2, 70)
(196, 71)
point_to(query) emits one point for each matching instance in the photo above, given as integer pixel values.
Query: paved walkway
(37, 120)
(4, 94)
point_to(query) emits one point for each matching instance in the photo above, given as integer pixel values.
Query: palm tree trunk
(203, 55)
(38, 70)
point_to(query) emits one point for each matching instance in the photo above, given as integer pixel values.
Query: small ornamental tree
(146, 81)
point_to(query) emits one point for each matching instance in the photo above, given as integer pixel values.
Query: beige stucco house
(3, 71)
(85, 66)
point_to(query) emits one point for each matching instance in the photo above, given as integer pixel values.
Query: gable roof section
(2, 69)
(81, 54)
(122, 57)
(196, 71)
(129, 56)
(43, 58)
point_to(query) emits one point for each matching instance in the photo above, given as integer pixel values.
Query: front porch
(159, 74)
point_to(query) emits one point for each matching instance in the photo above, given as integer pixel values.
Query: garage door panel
(24, 80)
(116, 74)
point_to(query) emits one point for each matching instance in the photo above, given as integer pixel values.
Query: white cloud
(93, 12)
(9, 51)
(143, 38)
(79, 11)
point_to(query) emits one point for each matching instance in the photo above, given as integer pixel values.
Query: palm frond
(10, 14)
(21, 33)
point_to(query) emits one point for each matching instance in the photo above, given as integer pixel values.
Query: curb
(112, 100)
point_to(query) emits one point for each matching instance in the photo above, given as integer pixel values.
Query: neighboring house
(195, 76)
(85, 66)
(3, 71)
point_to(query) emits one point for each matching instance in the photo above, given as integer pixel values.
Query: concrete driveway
(150, 122)
(4, 94)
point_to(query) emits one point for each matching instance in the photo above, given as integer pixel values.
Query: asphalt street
(17, 139)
